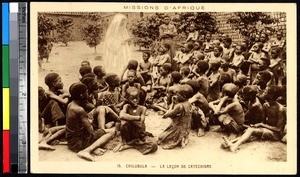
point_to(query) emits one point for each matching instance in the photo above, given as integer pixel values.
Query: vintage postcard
(163, 88)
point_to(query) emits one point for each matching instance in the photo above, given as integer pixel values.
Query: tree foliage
(146, 30)
(249, 24)
(64, 29)
(92, 30)
(45, 27)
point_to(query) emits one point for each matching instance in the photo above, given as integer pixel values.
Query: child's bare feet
(184, 142)
(117, 148)
(85, 155)
(99, 151)
(45, 146)
(231, 146)
(200, 132)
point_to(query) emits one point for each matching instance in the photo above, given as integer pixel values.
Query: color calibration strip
(5, 89)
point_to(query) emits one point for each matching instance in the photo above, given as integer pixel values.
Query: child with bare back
(80, 133)
(214, 81)
(229, 111)
(133, 130)
(50, 135)
(271, 128)
(100, 73)
(54, 111)
(178, 131)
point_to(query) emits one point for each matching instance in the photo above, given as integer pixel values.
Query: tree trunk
(95, 49)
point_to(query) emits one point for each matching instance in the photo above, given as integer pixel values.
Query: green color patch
(5, 66)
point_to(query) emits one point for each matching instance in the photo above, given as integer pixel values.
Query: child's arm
(164, 60)
(125, 116)
(214, 80)
(58, 98)
(172, 113)
(276, 63)
(143, 114)
(228, 108)
(85, 121)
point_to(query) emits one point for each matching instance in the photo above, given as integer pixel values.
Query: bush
(64, 27)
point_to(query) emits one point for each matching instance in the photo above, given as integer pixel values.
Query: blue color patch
(5, 23)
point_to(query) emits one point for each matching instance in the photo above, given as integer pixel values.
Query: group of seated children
(241, 88)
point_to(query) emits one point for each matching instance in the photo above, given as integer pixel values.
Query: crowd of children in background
(239, 86)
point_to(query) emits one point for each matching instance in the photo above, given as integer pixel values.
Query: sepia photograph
(156, 88)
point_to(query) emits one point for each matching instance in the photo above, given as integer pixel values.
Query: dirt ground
(66, 62)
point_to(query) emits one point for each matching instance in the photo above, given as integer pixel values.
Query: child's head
(85, 63)
(262, 78)
(192, 27)
(241, 80)
(146, 56)
(218, 51)
(42, 95)
(176, 77)
(198, 57)
(195, 85)
(229, 90)
(78, 91)
(215, 65)
(90, 82)
(227, 42)
(273, 92)
(249, 92)
(183, 93)
(132, 64)
(188, 47)
(167, 19)
(131, 76)
(275, 52)
(83, 70)
(185, 71)
(202, 66)
(258, 46)
(53, 80)
(279, 35)
(208, 37)
(224, 64)
(216, 43)
(99, 71)
(224, 79)
(198, 45)
(133, 96)
(263, 38)
(165, 69)
(239, 49)
(112, 80)
(164, 48)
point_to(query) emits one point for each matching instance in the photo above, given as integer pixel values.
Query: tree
(64, 27)
(247, 23)
(92, 30)
(203, 21)
(146, 30)
(45, 28)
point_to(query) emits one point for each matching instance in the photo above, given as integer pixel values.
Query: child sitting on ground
(200, 76)
(80, 133)
(112, 96)
(229, 111)
(238, 57)
(133, 129)
(100, 73)
(276, 65)
(271, 128)
(56, 108)
(254, 113)
(186, 58)
(226, 70)
(200, 109)
(214, 81)
(178, 131)
(185, 72)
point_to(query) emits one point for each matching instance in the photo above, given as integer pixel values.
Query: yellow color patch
(6, 109)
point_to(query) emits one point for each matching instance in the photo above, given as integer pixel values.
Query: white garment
(117, 51)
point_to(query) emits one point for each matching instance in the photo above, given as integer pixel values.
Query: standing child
(145, 70)
(193, 34)
(227, 49)
(133, 129)
(178, 131)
